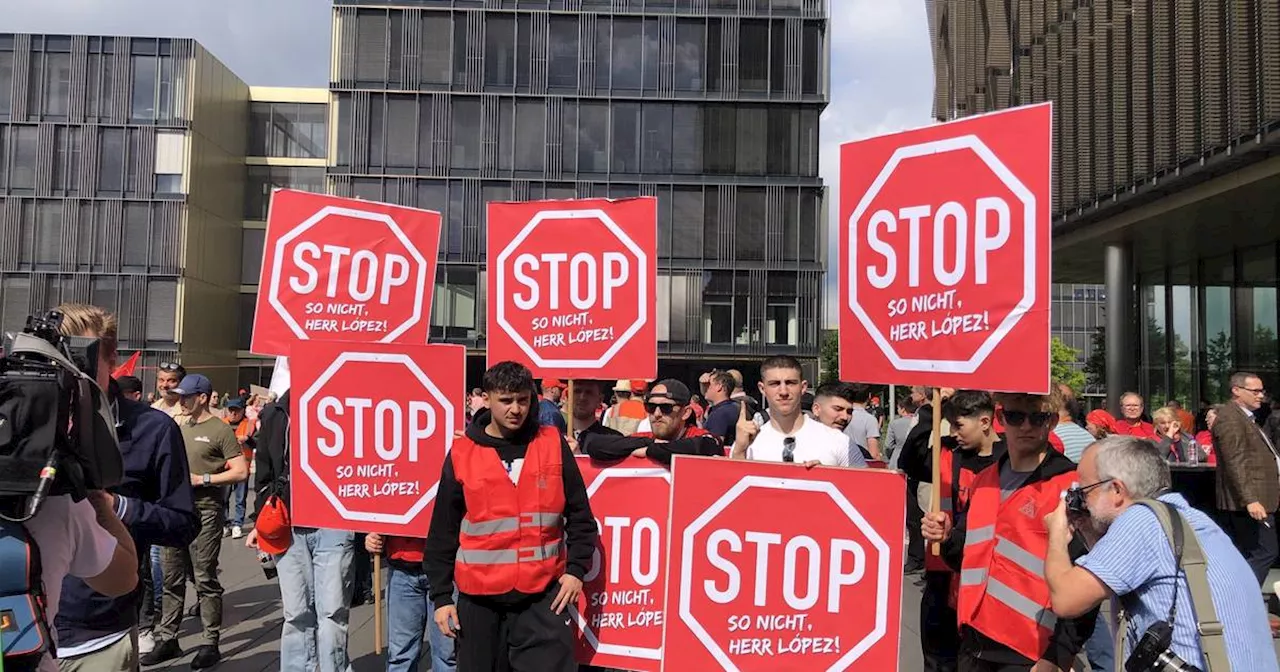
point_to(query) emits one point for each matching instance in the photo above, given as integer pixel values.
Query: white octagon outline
(273, 294)
(795, 485)
(974, 144)
(304, 409)
(591, 637)
(500, 285)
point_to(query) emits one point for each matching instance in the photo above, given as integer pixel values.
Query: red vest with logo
(513, 533)
(1003, 594)
(954, 491)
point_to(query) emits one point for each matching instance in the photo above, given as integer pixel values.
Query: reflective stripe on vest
(511, 524)
(477, 557)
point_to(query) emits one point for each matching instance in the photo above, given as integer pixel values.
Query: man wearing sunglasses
(168, 375)
(672, 430)
(998, 545)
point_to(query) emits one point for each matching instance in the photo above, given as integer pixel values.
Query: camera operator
(96, 632)
(1132, 559)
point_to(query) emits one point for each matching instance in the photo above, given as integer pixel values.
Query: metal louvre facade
(1144, 90)
(711, 106)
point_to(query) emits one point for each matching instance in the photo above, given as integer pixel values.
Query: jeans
(1100, 647)
(315, 592)
(409, 613)
(235, 505)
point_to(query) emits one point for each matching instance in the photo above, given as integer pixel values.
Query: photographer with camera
(97, 632)
(1173, 571)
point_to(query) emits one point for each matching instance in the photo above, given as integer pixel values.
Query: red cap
(1101, 418)
(548, 383)
(639, 386)
(275, 534)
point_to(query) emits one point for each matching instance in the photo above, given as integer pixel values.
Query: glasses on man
(169, 366)
(667, 409)
(789, 449)
(1258, 391)
(1017, 418)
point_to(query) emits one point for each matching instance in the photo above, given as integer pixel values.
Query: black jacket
(271, 459)
(607, 448)
(580, 530)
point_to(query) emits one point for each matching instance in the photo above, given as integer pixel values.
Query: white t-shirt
(71, 543)
(814, 441)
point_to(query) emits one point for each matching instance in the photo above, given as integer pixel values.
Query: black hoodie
(446, 520)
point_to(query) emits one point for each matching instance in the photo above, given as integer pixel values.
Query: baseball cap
(192, 384)
(548, 383)
(638, 386)
(236, 402)
(275, 533)
(677, 391)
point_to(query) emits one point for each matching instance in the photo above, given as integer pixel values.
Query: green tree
(1095, 367)
(1218, 366)
(829, 359)
(1063, 359)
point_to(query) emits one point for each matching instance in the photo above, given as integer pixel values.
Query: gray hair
(1135, 462)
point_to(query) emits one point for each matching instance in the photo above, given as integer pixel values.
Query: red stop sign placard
(774, 567)
(944, 256)
(620, 615)
(371, 425)
(339, 269)
(571, 288)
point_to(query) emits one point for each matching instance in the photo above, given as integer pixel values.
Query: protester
(722, 415)
(917, 463)
(863, 427)
(896, 435)
(587, 396)
(999, 546)
(740, 395)
(1248, 475)
(130, 387)
(549, 411)
(672, 433)
(243, 427)
(313, 565)
(1176, 444)
(410, 612)
(1071, 435)
(1131, 558)
(1204, 438)
(627, 413)
(1099, 423)
(833, 406)
(1130, 422)
(168, 375)
(1184, 417)
(788, 436)
(509, 612)
(214, 461)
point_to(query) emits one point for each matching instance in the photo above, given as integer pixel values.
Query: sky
(881, 68)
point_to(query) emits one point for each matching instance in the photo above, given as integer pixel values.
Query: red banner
(371, 425)
(571, 287)
(945, 254)
(620, 615)
(776, 567)
(340, 269)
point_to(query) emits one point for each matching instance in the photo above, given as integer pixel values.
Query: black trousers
(939, 627)
(971, 664)
(525, 637)
(1257, 542)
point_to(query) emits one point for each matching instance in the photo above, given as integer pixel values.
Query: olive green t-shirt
(210, 444)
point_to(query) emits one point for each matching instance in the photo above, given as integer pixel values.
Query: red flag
(127, 368)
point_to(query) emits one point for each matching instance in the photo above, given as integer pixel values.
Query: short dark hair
(908, 404)
(129, 384)
(172, 367)
(781, 362)
(971, 404)
(724, 379)
(508, 377)
(1240, 378)
(835, 389)
(859, 393)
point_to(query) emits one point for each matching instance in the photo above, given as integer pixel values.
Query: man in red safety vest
(513, 530)
(998, 546)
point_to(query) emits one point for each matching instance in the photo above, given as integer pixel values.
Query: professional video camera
(57, 430)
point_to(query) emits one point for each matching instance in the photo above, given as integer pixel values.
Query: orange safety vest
(513, 533)
(953, 492)
(1003, 594)
(405, 549)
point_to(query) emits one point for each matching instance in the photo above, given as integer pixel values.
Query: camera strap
(1190, 561)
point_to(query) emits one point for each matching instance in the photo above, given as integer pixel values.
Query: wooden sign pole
(935, 440)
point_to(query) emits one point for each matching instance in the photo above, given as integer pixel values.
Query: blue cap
(193, 384)
(235, 402)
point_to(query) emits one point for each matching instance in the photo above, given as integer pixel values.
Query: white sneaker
(146, 643)
(236, 532)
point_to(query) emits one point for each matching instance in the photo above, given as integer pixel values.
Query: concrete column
(1122, 369)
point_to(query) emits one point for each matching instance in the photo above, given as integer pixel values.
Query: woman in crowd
(1175, 444)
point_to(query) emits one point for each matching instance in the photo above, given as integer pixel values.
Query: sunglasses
(789, 449)
(667, 409)
(169, 366)
(1017, 418)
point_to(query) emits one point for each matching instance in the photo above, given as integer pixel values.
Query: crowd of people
(1045, 513)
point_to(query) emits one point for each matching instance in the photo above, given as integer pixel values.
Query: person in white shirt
(788, 436)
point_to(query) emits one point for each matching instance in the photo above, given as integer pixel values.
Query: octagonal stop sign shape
(344, 270)
(572, 287)
(780, 569)
(620, 615)
(371, 430)
(945, 252)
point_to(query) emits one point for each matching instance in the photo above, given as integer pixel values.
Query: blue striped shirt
(1074, 439)
(1134, 557)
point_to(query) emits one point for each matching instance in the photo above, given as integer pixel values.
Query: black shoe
(913, 569)
(206, 656)
(164, 651)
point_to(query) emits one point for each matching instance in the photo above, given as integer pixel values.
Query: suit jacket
(1246, 464)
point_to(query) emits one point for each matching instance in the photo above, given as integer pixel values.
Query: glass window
(651, 55)
(686, 223)
(371, 46)
(264, 179)
(531, 133)
(749, 238)
(402, 127)
(506, 133)
(437, 39)
(432, 195)
(23, 171)
(499, 50)
(395, 48)
(720, 139)
(61, 148)
(811, 75)
(252, 243)
(377, 130)
(466, 134)
(524, 53)
(753, 131)
(562, 66)
(137, 235)
(57, 85)
(1216, 278)
(167, 93)
(689, 54)
(753, 50)
(626, 138)
(627, 58)
(145, 71)
(1256, 315)
(655, 138)
(15, 300)
(4, 157)
(6, 82)
(717, 322)
(714, 38)
(809, 218)
(1154, 340)
(778, 56)
(1182, 316)
(454, 218)
(603, 48)
(48, 233)
(686, 139)
(783, 144)
(662, 307)
(34, 80)
(569, 137)
(343, 134)
(133, 148)
(781, 325)
(248, 309)
(162, 309)
(790, 225)
(711, 231)
(593, 137)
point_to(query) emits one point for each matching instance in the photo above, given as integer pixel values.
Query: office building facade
(710, 106)
(1166, 179)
